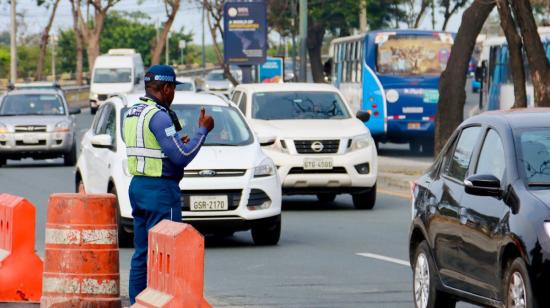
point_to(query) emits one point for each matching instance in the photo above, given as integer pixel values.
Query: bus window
(410, 55)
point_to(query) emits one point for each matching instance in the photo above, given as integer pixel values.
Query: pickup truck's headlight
(266, 168)
(361, 141)
(62, 127)
(93, 96)
(547, 228)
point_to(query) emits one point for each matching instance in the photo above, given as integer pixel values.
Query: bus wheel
(428, 148)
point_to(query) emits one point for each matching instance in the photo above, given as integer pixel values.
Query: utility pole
(13, 42)
(203, 55)
(363, 26)
(53, 42)
(433, 14)
(303, 40)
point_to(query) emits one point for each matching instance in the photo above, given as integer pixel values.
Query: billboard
(245, 33)
(271, 71)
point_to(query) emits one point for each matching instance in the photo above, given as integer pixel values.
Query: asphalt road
(330, 255)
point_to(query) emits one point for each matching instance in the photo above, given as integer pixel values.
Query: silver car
(37, 123)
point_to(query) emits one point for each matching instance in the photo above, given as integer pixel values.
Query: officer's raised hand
(206, 121)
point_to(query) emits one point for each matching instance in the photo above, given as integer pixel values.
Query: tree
(91, 30)
(45, 38)
(214, 16)
(171, 8)
(452, 84)
(79, 41)
(515, 48)
(450, 7)
(539, 66)
(413, 17)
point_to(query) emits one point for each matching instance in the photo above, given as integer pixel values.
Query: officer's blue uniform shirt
(178, 154)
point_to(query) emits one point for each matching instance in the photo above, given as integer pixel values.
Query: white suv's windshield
(230, 128)
(31, 104)
(215, 76)
(113, 75)
(298, 105)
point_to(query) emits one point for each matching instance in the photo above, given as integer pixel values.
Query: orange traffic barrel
(175, 268)
(20, 267)
(81, 266)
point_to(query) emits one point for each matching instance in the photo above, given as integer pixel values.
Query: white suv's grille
(30, 128)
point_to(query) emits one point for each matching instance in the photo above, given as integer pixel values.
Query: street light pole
(13, 42)
(53, 42)
(203, 56)
(303, 39)
(166, 50)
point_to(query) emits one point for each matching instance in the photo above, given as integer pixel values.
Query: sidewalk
(396, 173)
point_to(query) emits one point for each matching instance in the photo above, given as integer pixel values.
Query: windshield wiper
(539, 184)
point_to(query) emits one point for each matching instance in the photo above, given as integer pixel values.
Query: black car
(480, 230)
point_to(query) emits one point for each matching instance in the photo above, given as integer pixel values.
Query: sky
(189, 16)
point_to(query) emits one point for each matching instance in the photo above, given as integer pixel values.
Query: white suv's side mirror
(102, 141)
(266, 140)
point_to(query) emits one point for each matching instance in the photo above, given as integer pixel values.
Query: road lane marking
(384, 258)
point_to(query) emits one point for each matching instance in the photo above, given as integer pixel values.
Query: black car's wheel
(326, 198)
(125, 238)
(366, 200)
(69, 158)
(415, 146)
(425, 293)
(519, 293)
(267, 234)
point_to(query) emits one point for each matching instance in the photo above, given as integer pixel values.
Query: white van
(119, 71)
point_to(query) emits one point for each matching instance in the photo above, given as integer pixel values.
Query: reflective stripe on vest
(140, 143)
(143, 152)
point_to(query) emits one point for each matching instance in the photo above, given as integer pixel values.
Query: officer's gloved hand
(185, 139)
(206, 121)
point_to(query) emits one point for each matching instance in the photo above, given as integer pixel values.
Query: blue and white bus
(498, 86)
(394, 75)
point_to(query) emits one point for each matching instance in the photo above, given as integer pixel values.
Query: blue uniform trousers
(152, 199)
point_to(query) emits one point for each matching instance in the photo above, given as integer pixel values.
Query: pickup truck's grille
(317, 146)
(300, 170)
(30, 128)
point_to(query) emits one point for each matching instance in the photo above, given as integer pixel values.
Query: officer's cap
(161, 72)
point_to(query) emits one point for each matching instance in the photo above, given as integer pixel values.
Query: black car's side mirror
(482, 185)
(363, 116)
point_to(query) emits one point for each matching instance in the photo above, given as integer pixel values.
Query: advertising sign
(245, 31)
(271, 71)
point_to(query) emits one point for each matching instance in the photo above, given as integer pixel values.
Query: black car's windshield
(293, 105)
(534, 156)
(230, 128)
(32, 104)
(113, 75)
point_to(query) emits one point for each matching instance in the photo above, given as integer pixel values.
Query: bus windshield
(412, 55)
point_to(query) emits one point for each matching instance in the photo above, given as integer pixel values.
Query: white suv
(230, 186)
(321, 147)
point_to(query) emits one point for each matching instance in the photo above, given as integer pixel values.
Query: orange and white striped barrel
(81, 266)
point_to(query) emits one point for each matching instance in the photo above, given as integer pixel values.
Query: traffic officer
(157, 155)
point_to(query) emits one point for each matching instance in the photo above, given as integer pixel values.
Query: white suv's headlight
(266, 168)
(361, 142)
(4, 129)
(547, 228)
(62, 127)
